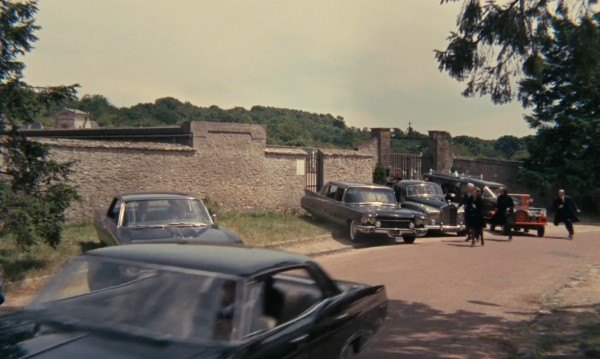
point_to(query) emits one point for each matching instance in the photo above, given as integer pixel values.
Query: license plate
(395, 233)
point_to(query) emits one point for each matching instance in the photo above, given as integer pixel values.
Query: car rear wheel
(409, 238)
(352, 230)
(541, 231)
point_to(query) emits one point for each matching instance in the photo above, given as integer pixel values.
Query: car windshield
(370, 195)
(140, 300)
(424, 190)
(161, 212)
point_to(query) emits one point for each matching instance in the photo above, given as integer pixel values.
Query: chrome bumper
(445, 228)
(392, 232)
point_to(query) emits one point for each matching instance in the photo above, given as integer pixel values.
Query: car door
(347, 317)
(285, 332)
(108, 223)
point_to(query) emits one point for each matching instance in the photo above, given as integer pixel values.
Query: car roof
(354, 184)
(230, 260)
(140, 196)
(462, 178)
(407, 182)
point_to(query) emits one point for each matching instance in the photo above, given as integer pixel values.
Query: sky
(371, 62)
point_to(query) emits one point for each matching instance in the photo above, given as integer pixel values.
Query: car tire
(409, 238)
(541, 231)
(353, 234)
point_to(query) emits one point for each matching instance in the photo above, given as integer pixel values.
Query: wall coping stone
(152, 146)
(285, 151)
(345, 153)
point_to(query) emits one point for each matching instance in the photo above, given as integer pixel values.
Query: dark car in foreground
(159, 217)
(428, 197)
(364, 209)
(201, 301)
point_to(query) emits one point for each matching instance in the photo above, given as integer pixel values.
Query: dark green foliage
(33, 189)
(550, 50)
(284, 126)
(380, 174)
(409, 141)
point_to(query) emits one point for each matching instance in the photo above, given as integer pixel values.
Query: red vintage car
(528, 217)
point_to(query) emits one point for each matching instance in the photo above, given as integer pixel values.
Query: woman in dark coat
(474, 218)
(504, 210)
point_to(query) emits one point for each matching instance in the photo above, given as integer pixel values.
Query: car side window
(332, 191)
(281, 297)
(114, 210)
(339, 194)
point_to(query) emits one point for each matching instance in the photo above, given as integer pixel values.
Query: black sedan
(184, 300)
(159, 217)
(364, 209)
(428, 197)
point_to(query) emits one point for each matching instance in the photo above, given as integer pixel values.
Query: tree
(507, 145)
(550, 51)
(33, 189)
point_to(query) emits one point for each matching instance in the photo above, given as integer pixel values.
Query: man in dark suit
(565, 210)
(466, 201)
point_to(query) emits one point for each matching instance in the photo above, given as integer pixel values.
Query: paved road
(448, 300)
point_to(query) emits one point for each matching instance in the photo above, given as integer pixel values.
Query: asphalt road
(448, 300)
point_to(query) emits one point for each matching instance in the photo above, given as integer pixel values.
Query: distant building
(70, 119)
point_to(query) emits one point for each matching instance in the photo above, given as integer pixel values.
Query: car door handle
(299, 339)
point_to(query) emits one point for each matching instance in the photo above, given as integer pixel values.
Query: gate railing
(409, 165)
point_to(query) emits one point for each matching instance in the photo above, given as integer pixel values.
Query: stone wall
(230, 164)
(439, 155)
(341, 165)
(504, 172)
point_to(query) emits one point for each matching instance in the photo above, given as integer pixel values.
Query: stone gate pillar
(383, 136)
(440, 151)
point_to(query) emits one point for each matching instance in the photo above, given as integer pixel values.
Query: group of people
(564, 207)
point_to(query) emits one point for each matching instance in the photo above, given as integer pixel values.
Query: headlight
(377, 224)
(411, 225)
(367, 220)
(419, 221)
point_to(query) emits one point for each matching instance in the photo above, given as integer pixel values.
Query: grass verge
(263, 228)
(256, 229)
(41, 259)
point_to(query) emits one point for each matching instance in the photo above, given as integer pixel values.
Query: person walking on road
(465, 201)
(474, 216)
(566, 211)
(504, 212)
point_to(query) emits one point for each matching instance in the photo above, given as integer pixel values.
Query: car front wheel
(353, 232)
(541, 231)
(409, 238)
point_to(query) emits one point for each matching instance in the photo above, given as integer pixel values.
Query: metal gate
(409, 165)
(313, 173)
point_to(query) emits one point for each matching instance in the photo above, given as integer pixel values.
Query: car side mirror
(214, 217)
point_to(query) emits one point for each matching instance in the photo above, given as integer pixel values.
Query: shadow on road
(416, 330)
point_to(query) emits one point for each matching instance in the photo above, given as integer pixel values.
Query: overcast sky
(371, 62)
